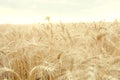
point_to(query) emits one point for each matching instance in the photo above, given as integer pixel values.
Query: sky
(28, 11)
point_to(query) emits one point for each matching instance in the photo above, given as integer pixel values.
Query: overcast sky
(65, 10)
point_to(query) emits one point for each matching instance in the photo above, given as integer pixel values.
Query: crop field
(60, 51)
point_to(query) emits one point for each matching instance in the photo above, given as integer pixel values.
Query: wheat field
(61, 51)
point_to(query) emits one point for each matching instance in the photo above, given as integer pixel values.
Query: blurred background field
(60, 51)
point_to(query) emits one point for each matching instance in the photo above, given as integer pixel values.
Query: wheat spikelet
(91, 72)
(1, 61)
(36, 59)
(69, 75)
(21, 66)
(69, 36)
(8, 74)
(62, 27)
(67, 62)
(107, 77)
(42, 73)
